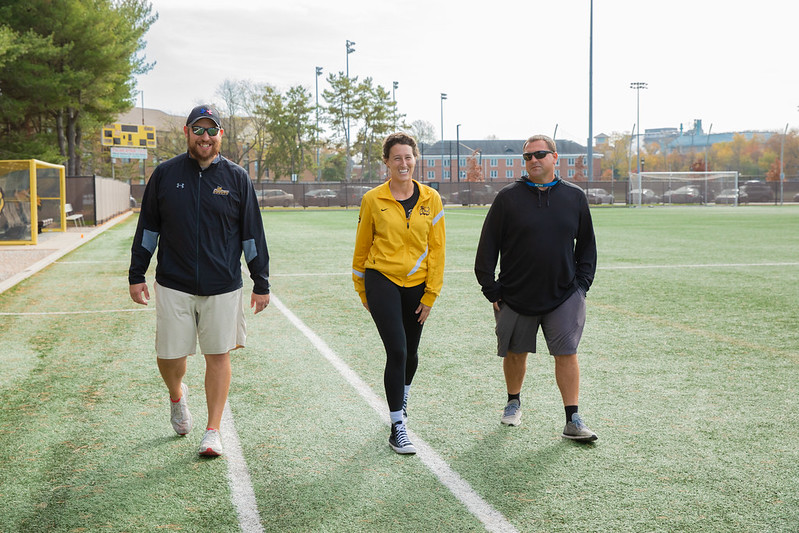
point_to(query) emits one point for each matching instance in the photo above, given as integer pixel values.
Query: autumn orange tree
(474, 172)
(753, 157)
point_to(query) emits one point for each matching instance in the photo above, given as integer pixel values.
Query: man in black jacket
(200, 210)
(540, 229)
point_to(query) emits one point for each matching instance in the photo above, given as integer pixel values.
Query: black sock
(516, 396)
(570, 410)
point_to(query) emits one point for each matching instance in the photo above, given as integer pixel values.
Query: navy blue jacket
(544, 238)
(201, 221)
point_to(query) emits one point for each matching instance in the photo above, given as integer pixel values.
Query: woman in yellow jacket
(398, 270)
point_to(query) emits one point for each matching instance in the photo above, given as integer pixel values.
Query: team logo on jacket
(424, 210)
(220, 191)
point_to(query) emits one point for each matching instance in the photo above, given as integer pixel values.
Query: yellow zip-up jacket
(408, 252)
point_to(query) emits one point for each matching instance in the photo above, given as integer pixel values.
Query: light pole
(443, 97)
(591, 97)
(394, 86)
(458, 149)
(318, 168)
(782, 165)
(707, 143)
(638, 85)
(630, 171)
(350, 49)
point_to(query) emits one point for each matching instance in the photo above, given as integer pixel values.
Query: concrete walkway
(19, 262)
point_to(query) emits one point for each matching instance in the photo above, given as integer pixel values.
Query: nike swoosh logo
(384, 209)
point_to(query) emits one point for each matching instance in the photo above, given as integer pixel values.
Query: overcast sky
(510, 68)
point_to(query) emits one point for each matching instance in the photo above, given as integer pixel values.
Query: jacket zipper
(197, 237)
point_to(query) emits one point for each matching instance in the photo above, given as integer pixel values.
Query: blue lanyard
(533, 184)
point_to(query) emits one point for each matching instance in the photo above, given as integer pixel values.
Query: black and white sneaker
(399, 440)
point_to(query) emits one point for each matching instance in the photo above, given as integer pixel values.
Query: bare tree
(423, 131)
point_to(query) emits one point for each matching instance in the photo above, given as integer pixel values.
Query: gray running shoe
(512, 414)
(180, 415)
(399, 440)
(211, 445)
(577, 430)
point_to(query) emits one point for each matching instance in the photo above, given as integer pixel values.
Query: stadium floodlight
(318, 168)
(350, 49)
(782, 165)
(638, 85)
(443, 97)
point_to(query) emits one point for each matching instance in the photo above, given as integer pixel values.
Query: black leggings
(393, 309)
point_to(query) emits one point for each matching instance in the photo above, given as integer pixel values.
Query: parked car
(687, 194)
(473, 194)
(729, 196)
(758, 191)
(598, 196)
(274, 197)
(322, 197)
(354, 193)
(649, 196)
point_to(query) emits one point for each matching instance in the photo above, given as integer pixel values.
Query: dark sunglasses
(538, 154)
(199, 130)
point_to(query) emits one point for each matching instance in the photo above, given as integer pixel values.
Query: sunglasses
(538, 154)
(199, 130)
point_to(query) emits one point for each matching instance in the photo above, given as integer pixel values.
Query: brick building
(499, 160)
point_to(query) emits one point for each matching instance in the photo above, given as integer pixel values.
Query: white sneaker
(211, 445)
(512, 414)
(179, 413)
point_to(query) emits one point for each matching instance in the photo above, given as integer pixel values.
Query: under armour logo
(181, 186)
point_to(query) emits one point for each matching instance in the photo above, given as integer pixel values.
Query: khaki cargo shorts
(182, 319)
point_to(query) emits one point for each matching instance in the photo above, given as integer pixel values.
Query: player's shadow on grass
(522, 463)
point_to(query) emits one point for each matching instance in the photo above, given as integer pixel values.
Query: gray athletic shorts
(562, 328)
(181, 319)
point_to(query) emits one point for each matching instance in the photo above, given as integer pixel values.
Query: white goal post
(696, 188)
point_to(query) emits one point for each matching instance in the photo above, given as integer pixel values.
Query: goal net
(683, 188)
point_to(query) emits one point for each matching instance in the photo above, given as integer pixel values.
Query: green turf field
(690, 373)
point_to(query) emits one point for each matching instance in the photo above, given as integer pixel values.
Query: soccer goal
(695, 188)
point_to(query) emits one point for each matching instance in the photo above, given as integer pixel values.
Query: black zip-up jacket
(201, 221)
(545, 242)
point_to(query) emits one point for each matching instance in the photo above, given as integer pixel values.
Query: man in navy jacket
(201, 213)
(540, 229)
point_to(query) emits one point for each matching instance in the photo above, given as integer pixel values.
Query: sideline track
(482, 510)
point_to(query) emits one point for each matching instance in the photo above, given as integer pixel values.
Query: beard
(205, 156)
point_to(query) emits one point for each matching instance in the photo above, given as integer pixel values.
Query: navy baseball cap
(203, 111)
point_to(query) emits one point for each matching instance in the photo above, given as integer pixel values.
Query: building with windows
(695, 139)
(498, 160)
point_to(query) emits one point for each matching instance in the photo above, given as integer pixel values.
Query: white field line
(700, 265)
(90, 262)
(87, 312)
(451, 271)
(241, 491)
(36, 267)
(611, 267)
(482, 510)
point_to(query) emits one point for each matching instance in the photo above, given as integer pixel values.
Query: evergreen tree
(72, 70)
